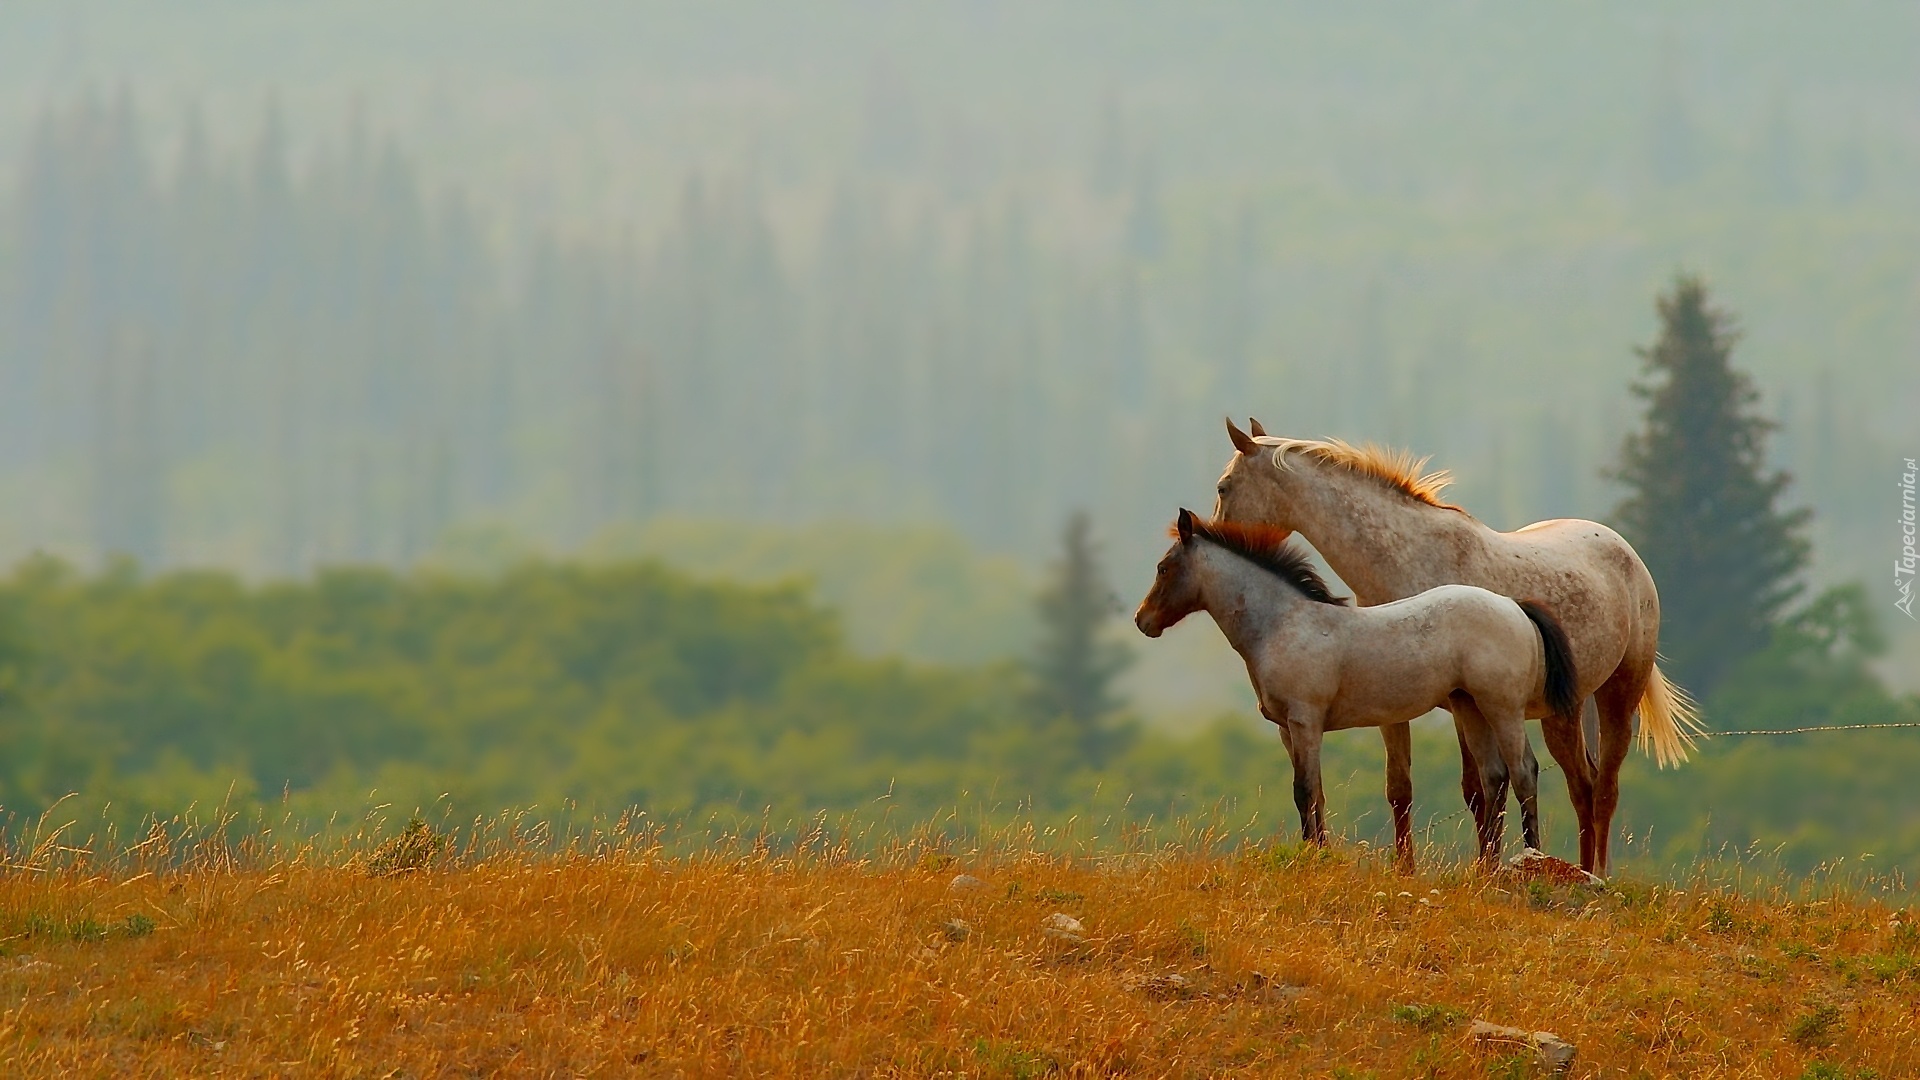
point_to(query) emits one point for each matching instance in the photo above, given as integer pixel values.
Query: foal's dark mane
(1267, 547)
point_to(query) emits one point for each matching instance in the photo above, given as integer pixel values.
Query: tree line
(350, 363)
(257, 357)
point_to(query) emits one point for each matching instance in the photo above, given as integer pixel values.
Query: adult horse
(1380, 524)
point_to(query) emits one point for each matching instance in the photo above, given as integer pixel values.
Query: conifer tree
(1077, 662)
(1702, 506)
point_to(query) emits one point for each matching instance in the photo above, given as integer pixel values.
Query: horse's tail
(1563, 682)
(1669, 720)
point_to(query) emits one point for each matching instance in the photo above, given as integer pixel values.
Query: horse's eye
(1221, 490)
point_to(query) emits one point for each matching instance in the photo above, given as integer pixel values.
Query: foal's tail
(1669, 721)
(1563, 683)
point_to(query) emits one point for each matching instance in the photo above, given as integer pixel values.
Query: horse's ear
(1242, 441)
(1254, 429)
(1185, 525)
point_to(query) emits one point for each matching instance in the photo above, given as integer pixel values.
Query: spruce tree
(1077, 662)
(1702, 507)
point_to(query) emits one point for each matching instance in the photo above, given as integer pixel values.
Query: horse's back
(1593, 581)
(1564, 561)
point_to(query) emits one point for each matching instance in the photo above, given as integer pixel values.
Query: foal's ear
(1185, 524)
(1242, 441)
(1254, 429)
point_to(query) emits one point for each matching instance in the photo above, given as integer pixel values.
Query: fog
(288, 285)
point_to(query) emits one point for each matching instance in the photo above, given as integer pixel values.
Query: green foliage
(1813, 671)
(1799, 799)
(1429, 1017)
(1815, 1026)
(416, 848)
(1822, 1070)
(1515, 1066)
(548, 671)
(78, 927)
(920, 593)
(1701, 509)
(600, 687)
(1013, 1061)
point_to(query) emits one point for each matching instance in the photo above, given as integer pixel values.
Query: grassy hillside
(617, 957)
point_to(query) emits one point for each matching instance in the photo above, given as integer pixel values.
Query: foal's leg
(1478, 735)
(1510, 733)
(1470, 792)
(1399, 740)
(1303, 746)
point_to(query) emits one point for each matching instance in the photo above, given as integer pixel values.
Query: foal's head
(1180, 582)
(1176, 587)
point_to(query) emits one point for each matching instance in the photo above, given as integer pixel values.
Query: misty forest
(746, 415)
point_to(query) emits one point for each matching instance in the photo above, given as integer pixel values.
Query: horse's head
(1253, 489)
(1176, 587)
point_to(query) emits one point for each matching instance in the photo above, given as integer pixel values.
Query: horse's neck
(1384, 545)
(1250, 604)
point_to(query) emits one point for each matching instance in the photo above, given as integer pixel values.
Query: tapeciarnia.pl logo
(1903, 566)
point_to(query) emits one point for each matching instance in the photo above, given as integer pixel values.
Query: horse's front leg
(1399, 740)
(1303, 746)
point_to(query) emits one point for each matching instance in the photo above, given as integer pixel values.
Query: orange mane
(1396, 468)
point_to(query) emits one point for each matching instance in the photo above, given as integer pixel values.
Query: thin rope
(1804, 730)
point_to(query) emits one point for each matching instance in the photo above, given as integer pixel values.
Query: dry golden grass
(624, 959)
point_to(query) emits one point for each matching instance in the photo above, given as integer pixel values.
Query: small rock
(1064, 928)
(1554, 1052)
(963, 883)
(956, 929)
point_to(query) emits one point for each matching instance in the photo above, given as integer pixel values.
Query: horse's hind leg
(1478, 736)
(1616, 698)
(1567, 742)
(1399, 740)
